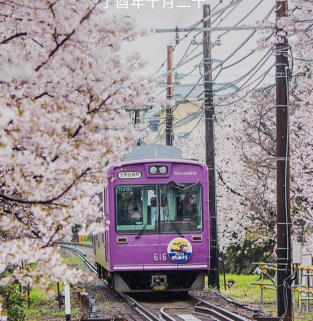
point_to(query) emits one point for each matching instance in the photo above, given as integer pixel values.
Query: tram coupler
(159, 282)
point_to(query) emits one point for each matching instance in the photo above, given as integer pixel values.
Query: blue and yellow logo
(179, 250)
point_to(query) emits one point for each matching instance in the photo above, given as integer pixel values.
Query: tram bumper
(159, 282)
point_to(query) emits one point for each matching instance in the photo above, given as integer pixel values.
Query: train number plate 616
(159, 257)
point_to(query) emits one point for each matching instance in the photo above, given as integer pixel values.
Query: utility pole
(137, 117)
(210, 148)
(136, 121)
(169, 110)
(284, 300)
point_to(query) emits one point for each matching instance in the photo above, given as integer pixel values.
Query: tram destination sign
(129, 175)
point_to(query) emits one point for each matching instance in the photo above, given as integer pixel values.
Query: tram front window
(158, 209)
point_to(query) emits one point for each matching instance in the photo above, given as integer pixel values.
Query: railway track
(194, 309)
(187, 308)
(81, 255)
(74, 244)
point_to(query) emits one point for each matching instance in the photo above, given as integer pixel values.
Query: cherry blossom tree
(63, 83)
(246, 146)
(258, 136)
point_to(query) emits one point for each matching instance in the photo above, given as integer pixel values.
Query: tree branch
(49, 201)
(20, 34)
(59, 45)
(229, 188)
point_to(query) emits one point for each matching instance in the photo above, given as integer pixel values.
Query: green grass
(33, 312)
(42, 306)
(76, 260)
(88, 241)
(74, 314)
(37, 297)
(242, 291)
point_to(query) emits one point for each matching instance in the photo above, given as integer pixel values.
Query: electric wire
(188, 118)
(254, 69)
(188, 133)
(244, 18)
(238, 48)
(192, 27)
(251, 83)
(241, 45)
(240, 89)
(180, 64)
(232, 54)
(240, 60)
(229, 13)
(250, 91)
(303, 59)
(227, 58)
(184, 37)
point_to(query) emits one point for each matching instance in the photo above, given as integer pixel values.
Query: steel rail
(206, 308)
(139, 308)
(166, 316)
(212, 313)
(74, 244)
(82, 256)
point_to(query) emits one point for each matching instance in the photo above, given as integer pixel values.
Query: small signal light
(163, 169)
(122, 240)
(153, 170)
(196, 238)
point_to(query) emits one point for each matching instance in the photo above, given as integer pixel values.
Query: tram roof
(153, 151)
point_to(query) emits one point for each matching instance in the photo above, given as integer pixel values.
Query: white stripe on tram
(128, 267)
(192, 266)
(160, 267)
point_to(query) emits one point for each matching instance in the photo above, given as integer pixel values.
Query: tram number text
(159, 257)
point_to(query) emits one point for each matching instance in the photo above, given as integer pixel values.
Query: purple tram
(157, 223)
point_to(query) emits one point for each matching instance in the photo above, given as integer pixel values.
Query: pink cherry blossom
(64, 83)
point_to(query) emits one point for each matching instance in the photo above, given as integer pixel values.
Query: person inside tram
(189, 208)
(135, 213)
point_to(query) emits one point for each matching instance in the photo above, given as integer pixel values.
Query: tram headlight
(153, 170)
(163, 169)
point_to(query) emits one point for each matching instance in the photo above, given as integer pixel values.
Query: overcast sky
(184, 13)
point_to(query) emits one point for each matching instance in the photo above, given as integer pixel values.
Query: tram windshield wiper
(176, 229)
(141, 231)
(182, 187)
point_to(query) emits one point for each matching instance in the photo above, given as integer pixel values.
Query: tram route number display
(125, 189)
